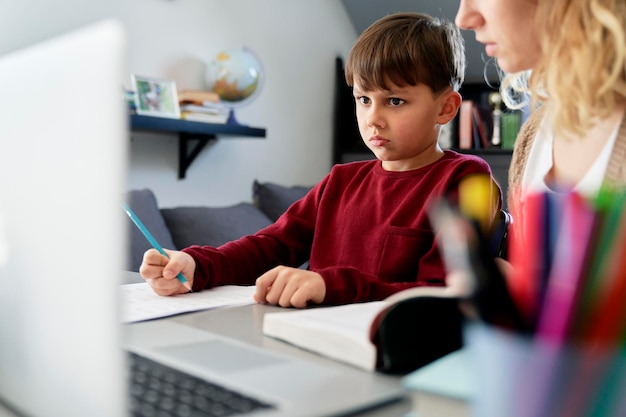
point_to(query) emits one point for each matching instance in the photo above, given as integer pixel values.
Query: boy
(364, 227)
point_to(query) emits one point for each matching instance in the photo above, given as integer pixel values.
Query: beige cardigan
(615, 172)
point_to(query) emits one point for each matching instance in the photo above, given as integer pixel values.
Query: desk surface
(245, 323)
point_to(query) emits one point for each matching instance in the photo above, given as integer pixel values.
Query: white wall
(297, 41)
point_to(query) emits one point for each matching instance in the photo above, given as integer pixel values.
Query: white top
(540, 162)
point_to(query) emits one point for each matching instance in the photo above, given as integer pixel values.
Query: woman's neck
(572, 158)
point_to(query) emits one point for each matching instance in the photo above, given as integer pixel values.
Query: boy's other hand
(161, 273)
(290, 287)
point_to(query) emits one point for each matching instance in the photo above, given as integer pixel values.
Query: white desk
(245, 323)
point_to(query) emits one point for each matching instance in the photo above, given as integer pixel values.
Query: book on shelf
(475, 125)
(209, 108)
(375, 335)
(442, 388)
(511, 123)
(481, 140)
(204, 117)
(198, 96)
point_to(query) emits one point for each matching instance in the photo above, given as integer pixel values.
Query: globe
(236, 76)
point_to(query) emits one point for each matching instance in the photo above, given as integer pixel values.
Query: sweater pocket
(403, 249)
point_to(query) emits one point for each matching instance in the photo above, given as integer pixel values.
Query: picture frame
(155, 97)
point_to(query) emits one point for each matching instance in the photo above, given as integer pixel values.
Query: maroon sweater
(365, 230)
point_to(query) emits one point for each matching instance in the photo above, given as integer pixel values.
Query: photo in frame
(155, 97)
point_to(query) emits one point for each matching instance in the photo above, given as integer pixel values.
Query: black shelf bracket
(192, 136)
(187, 155)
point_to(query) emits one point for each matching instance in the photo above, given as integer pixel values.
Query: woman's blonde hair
(581, 74)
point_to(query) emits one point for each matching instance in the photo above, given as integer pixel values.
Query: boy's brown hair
(408, 49)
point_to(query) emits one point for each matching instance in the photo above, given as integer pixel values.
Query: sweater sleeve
(241, 262)
(349, 285)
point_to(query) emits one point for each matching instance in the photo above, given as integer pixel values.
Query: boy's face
(401, 125)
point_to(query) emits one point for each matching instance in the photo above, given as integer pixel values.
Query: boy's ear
(450, 103)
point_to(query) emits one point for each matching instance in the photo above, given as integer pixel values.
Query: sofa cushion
(273, 199)
(144, 204)
(213, 226)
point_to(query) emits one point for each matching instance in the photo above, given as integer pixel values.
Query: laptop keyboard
(157, 390)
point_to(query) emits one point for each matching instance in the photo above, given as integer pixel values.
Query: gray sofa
(179, 227)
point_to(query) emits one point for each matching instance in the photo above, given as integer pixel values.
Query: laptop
(63, 141)
(63, 349)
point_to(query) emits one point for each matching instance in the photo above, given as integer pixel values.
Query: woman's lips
(490, 49)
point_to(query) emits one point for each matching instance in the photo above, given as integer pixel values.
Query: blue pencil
(152, 240)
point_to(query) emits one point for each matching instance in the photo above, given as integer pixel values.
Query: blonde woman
(568, 59)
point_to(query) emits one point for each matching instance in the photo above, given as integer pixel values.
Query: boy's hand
(161, 272)
(290, 287)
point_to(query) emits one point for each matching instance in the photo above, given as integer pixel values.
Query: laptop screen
(63, 139)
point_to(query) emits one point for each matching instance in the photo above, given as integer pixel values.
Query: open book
(397, 335)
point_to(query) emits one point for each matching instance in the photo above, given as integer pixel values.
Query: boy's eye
(395, 101)
(363, 99)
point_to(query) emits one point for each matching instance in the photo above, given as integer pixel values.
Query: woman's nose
(467, 17)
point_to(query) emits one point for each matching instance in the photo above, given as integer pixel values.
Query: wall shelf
(189, 132)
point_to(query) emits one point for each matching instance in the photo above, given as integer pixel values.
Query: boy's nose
(375, 117)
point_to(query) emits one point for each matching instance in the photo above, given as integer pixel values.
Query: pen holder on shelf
(520, 376)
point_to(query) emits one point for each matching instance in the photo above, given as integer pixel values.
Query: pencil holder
(520, 376)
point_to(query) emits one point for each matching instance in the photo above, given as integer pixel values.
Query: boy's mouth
(378, 141)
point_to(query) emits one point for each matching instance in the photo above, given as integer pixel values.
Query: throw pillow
(213, 226)
(144, 204)
(273, 199)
